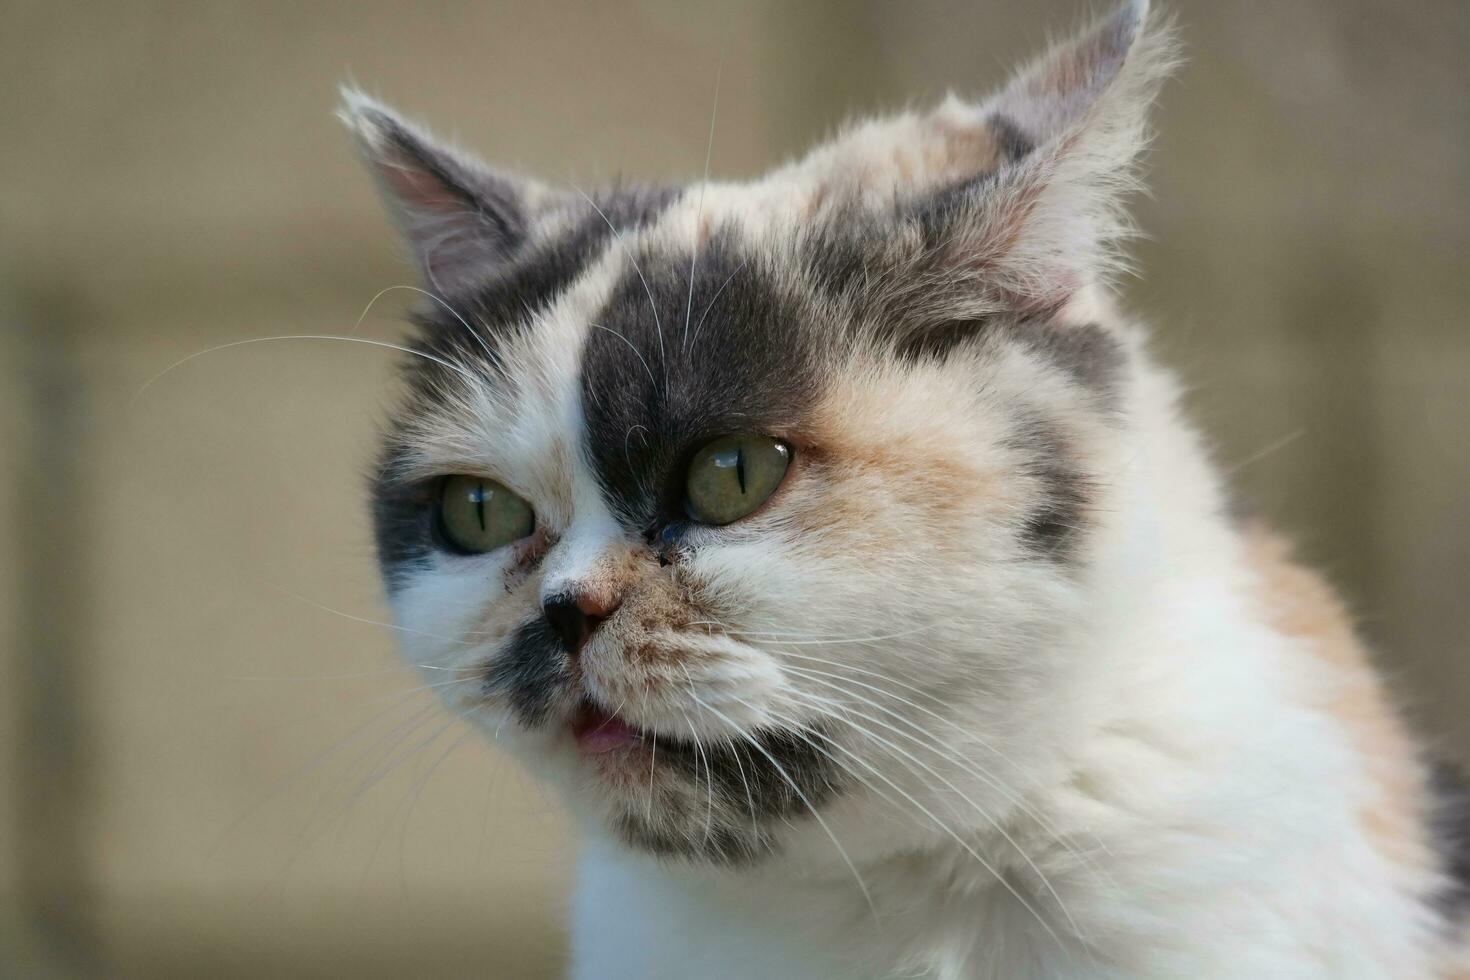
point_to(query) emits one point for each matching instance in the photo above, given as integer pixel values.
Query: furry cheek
(451, 623)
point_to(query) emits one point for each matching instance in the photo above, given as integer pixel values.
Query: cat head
(757, 512)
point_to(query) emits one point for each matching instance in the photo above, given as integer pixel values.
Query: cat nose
(574, 617)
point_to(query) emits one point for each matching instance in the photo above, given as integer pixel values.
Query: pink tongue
(603, 733)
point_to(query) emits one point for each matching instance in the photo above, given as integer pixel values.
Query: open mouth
(597, 730)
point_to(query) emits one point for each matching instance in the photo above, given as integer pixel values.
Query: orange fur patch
(970, 148)
(875, 479)
(1302, 605)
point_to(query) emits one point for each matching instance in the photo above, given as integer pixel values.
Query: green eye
(477, 515)
(732, 476)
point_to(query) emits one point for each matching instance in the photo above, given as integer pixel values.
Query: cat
(835, 545)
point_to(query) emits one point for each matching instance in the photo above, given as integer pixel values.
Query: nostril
(568, 622)
(574, 618)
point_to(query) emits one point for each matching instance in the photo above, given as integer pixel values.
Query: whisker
(1262, 453)
(652, 306)
(651, 380)
(437, 685)
(304, 336)
(1014, 892)
(749, 800)
(845, 639)
(346, 675)
(628, 436)
(711, 305)
(699, 213)
(494, 358)
(999, 786)
(781, 771)
(389, 743)
(652, 762)
(802, 730)
(410, 795)
(375, 622)
(416, 791)
(985, 814)
(709, 773)
(300, 772)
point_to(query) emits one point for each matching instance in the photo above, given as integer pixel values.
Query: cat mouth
(598, 731)
(608, 737)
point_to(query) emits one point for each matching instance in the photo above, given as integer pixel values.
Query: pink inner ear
(420, 189)
(1056, 93)
(1089, 64)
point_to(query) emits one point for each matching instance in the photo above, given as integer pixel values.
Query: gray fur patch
(1057, 516)
(1091, 356)
(1012, 142)
(748, 789)
(1450, 824)
(531, 672)
(654, 391)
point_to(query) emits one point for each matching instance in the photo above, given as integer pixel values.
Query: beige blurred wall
(213, 761)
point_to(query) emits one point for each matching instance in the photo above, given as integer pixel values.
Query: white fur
(1121, 769)
(1213, 804)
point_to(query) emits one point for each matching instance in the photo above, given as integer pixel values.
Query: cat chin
(655, 806)
(719, 803)
(711, 803)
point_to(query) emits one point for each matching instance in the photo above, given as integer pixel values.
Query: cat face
(748, 511)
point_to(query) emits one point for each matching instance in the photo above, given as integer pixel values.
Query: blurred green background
(212, 763)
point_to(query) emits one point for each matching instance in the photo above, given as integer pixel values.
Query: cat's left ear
(462, 219)
(1046, 219)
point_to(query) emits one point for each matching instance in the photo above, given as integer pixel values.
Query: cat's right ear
(461, 219)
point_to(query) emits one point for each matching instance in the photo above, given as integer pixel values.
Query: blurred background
(210, 760)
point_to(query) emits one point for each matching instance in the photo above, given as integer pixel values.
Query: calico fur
(992, 686)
